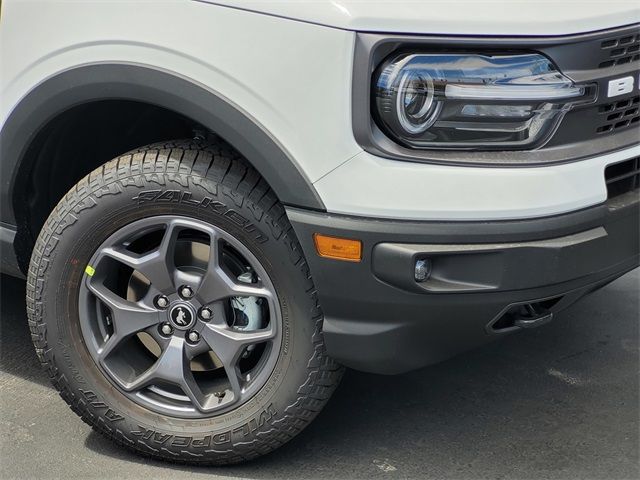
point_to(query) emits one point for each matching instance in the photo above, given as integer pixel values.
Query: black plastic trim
(8, 260)
(165, 89)
(478, 267)
(572, 53)
(378, 319)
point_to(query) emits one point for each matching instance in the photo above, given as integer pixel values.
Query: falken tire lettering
(180, 196)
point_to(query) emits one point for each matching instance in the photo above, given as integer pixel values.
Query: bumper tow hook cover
(534, 321)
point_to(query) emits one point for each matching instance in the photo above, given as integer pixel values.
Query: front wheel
(172, 306)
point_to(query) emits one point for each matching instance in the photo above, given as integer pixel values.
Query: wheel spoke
(128, 318)
(173, 366)
(229, 344)
(192, 390)
(234, 381)
(157, 266)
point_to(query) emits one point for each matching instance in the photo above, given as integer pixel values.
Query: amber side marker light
(338, 248)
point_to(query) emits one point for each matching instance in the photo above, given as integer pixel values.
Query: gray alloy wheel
(188, 285)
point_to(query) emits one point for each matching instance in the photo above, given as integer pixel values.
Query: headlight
(473, 101)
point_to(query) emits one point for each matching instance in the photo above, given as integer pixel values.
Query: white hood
(454, 17)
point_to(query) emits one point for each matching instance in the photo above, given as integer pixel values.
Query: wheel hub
(182, 316)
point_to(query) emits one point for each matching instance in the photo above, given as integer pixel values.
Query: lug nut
(193, 336)
(162, 301)
(186, 291)
(166, 329)
(206, 313)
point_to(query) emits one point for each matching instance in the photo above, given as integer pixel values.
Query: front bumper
(379, 319)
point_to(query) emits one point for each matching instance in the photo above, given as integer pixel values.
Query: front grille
(622, 177)
(597, 60)
(618, 115)
(620, 50)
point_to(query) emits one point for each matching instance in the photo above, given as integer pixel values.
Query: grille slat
(622, 177)
(620, 50)
(618, 115)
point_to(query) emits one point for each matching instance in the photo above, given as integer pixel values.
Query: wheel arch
(91, 83)
(122, 81)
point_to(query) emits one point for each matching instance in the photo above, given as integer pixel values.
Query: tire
(210, 184)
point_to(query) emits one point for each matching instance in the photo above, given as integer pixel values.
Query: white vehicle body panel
(453, 17)
(264, 65)
(273, 67)
(374, 187)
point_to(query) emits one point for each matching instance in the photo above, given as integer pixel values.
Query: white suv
(217, 204)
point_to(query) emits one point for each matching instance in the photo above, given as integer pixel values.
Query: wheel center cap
(182, 316)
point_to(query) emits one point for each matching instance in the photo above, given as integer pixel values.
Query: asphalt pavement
(561, 401)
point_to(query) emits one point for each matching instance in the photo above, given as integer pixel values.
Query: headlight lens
(473, 101)
(416, 103)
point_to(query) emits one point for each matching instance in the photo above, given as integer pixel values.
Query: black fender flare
(119, 81)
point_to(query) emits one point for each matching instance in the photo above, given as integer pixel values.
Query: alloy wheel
(180, 316)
